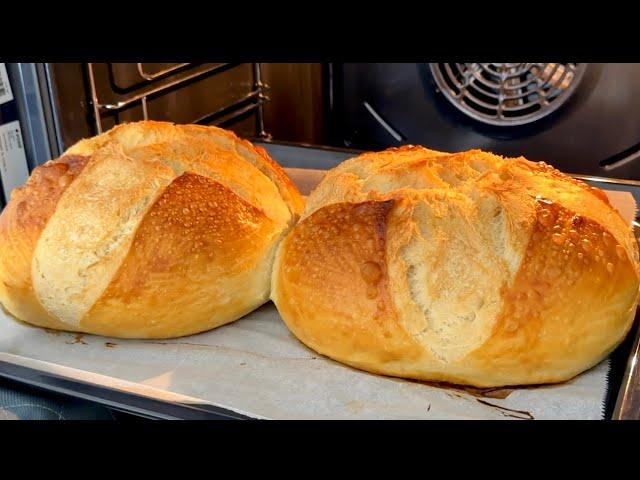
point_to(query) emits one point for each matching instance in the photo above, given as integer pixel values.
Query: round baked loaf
(466, 268)
(149, 230)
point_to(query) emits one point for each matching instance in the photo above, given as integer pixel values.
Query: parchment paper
(257, 367)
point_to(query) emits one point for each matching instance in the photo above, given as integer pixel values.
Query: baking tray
(52, 359)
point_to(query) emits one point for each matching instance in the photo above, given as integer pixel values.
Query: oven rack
(250, 102)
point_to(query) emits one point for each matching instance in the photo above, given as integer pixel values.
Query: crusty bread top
(465, 267)
(186, 142)
(106, 222)
(517, 182)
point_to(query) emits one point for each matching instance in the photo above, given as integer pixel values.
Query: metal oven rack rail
(252, 101)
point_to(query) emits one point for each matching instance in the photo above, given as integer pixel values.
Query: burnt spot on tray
(492, 392)
(500, 393)
(508, 412)
(110, 344)
(77, 339)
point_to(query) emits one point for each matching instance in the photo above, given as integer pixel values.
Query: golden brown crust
(229, 149)
(490, 271)
(259, 157)
(572, 275)
(164, 230)
(21, 224)
(203, 238)
(90, 232)
(341, 246)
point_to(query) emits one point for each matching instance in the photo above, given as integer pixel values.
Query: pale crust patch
(90, 232)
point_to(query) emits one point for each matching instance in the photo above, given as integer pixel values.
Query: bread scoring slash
(466, 268)
(150, 230)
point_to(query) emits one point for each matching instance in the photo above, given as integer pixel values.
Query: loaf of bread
(466, 268)
(150, 230)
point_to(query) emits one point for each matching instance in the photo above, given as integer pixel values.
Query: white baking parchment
(257, 367)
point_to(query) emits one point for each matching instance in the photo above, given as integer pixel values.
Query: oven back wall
(296, 110)
(293, 113)
(595, 132)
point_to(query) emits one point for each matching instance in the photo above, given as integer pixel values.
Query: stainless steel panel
(71, 101)
(628, 402)
(32, 102)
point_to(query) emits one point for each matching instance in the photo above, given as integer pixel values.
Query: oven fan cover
(507, 94)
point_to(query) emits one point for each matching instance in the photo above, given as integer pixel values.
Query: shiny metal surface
(613, 181)
(159, 73)
(182, 93)
(51, 109)
(289, 106)
(153, 91)
(259, 87)
(32, 103)
(505, 94)
(628, 404)
(117, 398)
(95, 104)
(214, 118)
(595, 132)
(628, 401)
(127, 77)
(19, 401)
(71, 104)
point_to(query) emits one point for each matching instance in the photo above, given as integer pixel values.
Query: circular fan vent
(507, 93)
